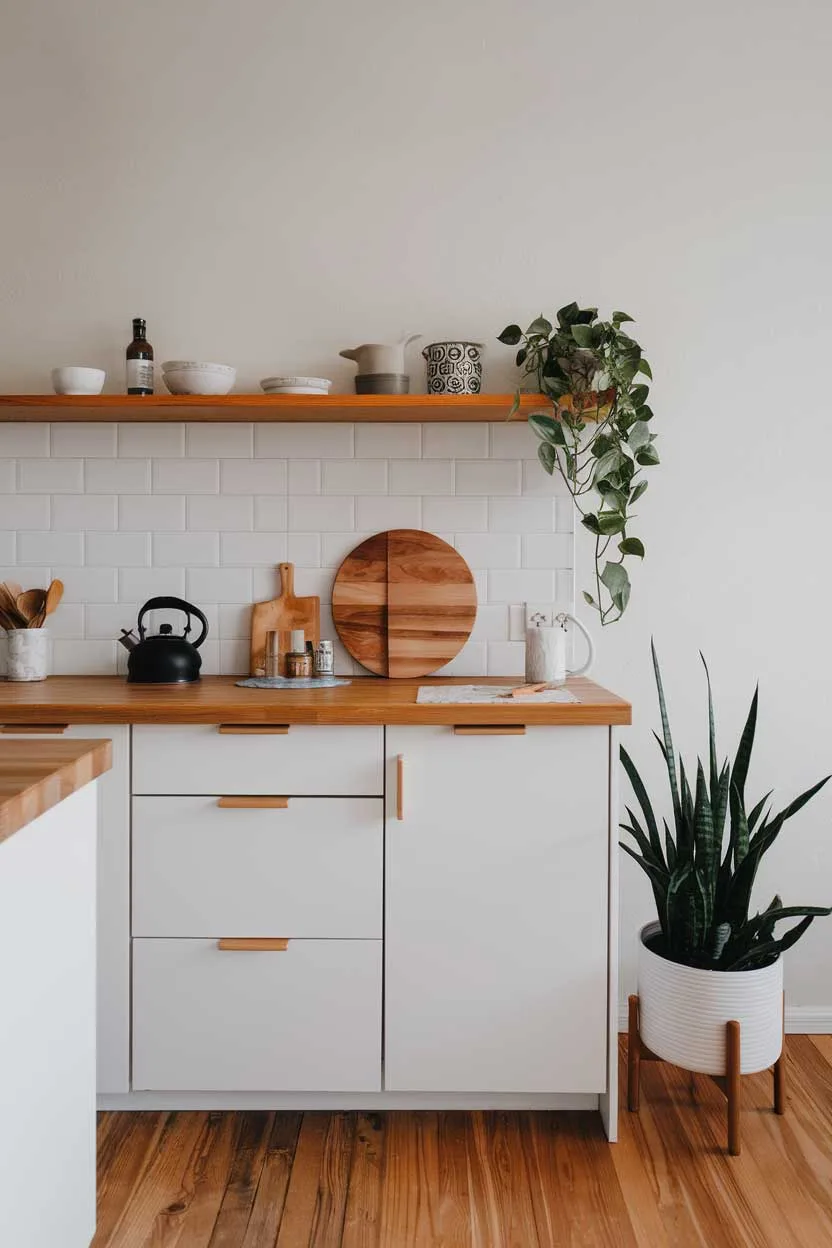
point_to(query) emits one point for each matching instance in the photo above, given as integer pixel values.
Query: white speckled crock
(683, 1011)
(28, 654)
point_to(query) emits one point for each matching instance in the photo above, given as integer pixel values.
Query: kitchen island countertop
(37, 775)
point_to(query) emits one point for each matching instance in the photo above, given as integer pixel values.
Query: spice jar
(299, 659)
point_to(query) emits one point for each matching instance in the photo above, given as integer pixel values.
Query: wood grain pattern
(36, 775)
(253, 944)
(281, 615)
(404, 603)
(482, 1180)
(309, 408)
(218, 700)
(253, 803)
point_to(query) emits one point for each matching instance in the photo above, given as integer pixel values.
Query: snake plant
(702, 871)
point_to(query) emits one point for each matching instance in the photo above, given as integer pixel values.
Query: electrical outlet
(539, 614)
(525, 615)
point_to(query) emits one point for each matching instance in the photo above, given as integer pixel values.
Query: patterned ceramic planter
(454, 367)
(28, 653)
(683, 1012)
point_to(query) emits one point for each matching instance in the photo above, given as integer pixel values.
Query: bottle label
(140, 375)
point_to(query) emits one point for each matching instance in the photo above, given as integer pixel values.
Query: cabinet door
(496, 911)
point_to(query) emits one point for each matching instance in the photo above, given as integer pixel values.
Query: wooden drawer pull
(257, 944)
(489, 730)
(26, 728)
(400, 786)
(253, 803)
(254, 730)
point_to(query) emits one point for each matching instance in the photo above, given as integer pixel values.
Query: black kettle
(165, 658)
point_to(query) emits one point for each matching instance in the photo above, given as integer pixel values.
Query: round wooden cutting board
(404, 603)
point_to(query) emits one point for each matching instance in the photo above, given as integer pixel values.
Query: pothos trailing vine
(588, 369)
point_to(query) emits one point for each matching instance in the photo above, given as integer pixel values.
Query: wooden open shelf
(267, 407)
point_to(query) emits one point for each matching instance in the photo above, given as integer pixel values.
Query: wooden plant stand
(729, 1083)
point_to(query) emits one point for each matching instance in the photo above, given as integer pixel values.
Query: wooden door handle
(400, 786)
(256, 944)
(253, 803)
(253, 730)
(27, 728)
(489, 730)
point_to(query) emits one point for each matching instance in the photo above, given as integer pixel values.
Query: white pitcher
(379, 357)
(546, 651)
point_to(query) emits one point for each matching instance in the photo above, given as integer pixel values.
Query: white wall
(269, 182)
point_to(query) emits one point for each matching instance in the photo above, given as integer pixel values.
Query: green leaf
(666, 742)
(769, 952)
(547, 455)
(638, 436)
(589, 599)
(618, 318)
(590, 521)
(638, 490)
(547, 428)
(638, 395)
(608, 463)
(609, 523)
(554, 386)
(567, 314)
(583, 335)
(615, 578)
(739, 773)
(644, 367)
(520, 357)
(511, 335)
(586, 316)
(632, 546)
(601, 444)
(640, 790)
(648, 456)
(515, 405)
(614, 498)
(539, 326)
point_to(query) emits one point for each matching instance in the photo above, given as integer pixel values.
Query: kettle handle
(590, 659)
(158, 604)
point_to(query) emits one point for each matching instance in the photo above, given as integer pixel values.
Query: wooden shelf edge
(312, 408)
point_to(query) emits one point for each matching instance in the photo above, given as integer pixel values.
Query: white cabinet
(47, 1033)
(496, 935)
(306, 1018)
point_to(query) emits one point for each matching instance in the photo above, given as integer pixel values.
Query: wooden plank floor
(489, 1180)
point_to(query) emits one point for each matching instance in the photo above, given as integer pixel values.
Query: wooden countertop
(37, 775)
(217, 699)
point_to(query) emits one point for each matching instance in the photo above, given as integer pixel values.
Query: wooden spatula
(282, 614)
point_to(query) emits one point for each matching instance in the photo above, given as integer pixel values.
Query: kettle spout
(128, 639)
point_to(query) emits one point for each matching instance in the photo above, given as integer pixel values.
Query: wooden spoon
(30, 604)
(54, 594)
(8, 602)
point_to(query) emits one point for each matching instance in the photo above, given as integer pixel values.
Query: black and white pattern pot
(454, 367)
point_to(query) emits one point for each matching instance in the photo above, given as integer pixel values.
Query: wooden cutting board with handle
(283, 614)
(404, 603)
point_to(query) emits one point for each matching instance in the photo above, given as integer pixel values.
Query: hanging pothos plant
(599, 437)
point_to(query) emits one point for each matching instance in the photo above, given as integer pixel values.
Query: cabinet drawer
(307, 1019)
(307, 759)
(311, 869)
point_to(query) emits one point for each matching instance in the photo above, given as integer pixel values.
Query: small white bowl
(295, 385)
(176, 366)
(77, 380)
(183, 377)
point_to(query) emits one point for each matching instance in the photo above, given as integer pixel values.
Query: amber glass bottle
(139, 360)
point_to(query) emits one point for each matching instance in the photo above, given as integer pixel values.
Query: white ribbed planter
(683, 1012)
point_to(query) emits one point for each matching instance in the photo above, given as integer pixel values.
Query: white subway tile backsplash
(455, 441)
(489, 550)
(117, 550)
(421, 476)
(336, 546)
(84, 658)
(524, 585)
(25, 511)
(253, 476)
(235, 621)
(8, 546)
(139, 584)
(375, 514)
(506, 658)
(8, 476)
(49, 548)
(324, 514)
(270, 512)
(186, 476)
(304, 476)
(31, 578)
(218, 585)
(146, 440)
(388, 441)
(538, 483)
(315, 581)
(491, 623)
(565, 514)
(177, 550)
(512, 441)
(250, 549)
(488, 476)
(84, 511)
(234, 658)
(22, 439)
(355, 476)
(68, 621)
(471, 661)
(219, 441)
(103, 621)
(117, 476)
(302, 441)
(521, 515)
(220, 512)
(547, 550)
(50, 476)
(84, 439)
(304, 549)
(457, 515)
(151, 511)
(86, 584)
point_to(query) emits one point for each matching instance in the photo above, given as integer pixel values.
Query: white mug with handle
(546, 651)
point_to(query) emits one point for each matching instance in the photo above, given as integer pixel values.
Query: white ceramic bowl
(295, 385)
(77, 380)
(191, 377)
